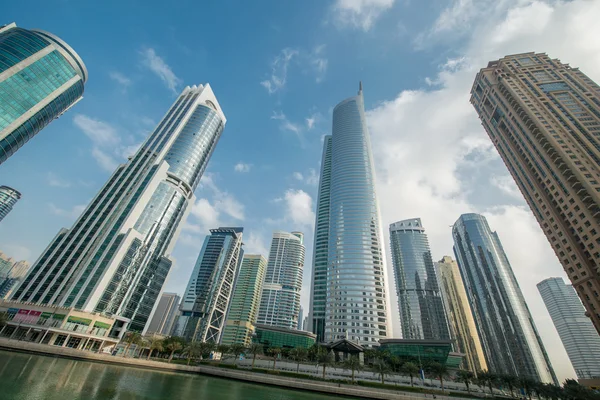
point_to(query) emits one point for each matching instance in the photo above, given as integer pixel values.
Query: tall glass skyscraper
(8, 199)
(243, 307)
(576, 331)
(420, 302)
(510, 340)
(206, 300)
(165, 315)
(280, 300)
(351, 284)
(41, 77)
(318, 288)
(116, 257)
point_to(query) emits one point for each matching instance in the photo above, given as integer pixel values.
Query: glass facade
(40, 78)
(243, 307)
(116, 257)
(421, 352)
(280, 300)
(356, 299)
(8, 199)
(575, 329)
(208, 294)
(270, 336)
(318, 289)
(510, 340)
(420, 303)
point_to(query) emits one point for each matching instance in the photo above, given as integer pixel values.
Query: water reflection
(33, 377)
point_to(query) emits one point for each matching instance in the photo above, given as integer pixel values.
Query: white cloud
(298, 176)
(56, 181)
(360, 14)
(311, 178)
(17, 251)
(507, 185)
(318, 62)
(279, 68)
(120, 79)
(286, 124)
(425, 171)
(101, 133)
(157, 65)
(242, 167)
(255, 244)
(72, 213)
(105, 160)
(299, 208)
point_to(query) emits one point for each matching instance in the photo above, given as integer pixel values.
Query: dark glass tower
(8, 199)
(41, 77)
(116, 257)
(419, 297)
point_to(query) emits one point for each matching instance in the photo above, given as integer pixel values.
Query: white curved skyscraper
(356, 300)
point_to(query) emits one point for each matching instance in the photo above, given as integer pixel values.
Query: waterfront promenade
(242, 375)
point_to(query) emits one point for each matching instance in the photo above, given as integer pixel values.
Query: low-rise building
(60, 326)
(273, 336)
(422, 352)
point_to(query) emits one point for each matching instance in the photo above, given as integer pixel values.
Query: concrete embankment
(248, 376)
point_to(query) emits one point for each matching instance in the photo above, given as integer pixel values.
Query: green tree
(254, 349)
(3, 319)
(237, 349)
(381, 368)
(439, 371)
(173, 344)
(353, 364)
(527, 384)
(325, 359)
(192, 350)
(411, 369)
(298, 354)
(370, 355)
(154, 343)
(465, 377)
(206, 348)
(487, 378)
(313, 352)
(510, 381)
(129, 339)
(274, 352)
(223, 349)
(572, 390)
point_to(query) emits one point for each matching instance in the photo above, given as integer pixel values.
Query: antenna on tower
(359, 87)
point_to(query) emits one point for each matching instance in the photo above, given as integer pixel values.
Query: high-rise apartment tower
(8, 199)
(208, 294)
(543, 116)
(165, 314)
(116, 258)
(349, 293)
(422, 314)
(510, 340)
(576, 331)
(41, 77)
(280, 300)
(460, 319)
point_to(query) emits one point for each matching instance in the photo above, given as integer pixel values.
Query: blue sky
(278, 68)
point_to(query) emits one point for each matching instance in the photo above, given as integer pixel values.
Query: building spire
(359, 87)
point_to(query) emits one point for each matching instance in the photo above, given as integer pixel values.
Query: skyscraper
(420, 303)
(165, 314)
(300, 318)
(460, 318)
(8, 199)
(243, 307)
(349, 298)
(11, 273)
(318, 288)
(576, 331)
(280, 300)
(116, 257)
(41, 77)
(544, 118)
(206, 300)
(510, 340)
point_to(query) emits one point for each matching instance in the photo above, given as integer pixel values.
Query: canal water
(34, 377)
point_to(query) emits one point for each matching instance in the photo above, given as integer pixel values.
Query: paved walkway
(290, 383)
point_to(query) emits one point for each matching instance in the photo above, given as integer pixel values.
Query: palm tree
(299, 354)
(236, 349)
(192, 350)
(527, 384)
(172, 345)
(488, 378)
(3, 319)
(465, 377)
(411, 369)
(511, 381)
(353, 364)
(381, 368)
(439, 370)
(223, 349)
(325, 359)
(154, 343)
(274, 352)
(254, 349)
(370, 355)
(131, 338)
